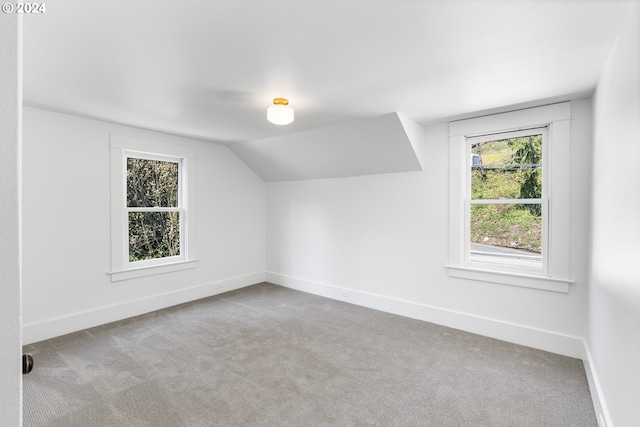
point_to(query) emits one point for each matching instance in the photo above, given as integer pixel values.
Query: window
(154, 211)
(152, 217)
(509, 198)
(505, 193)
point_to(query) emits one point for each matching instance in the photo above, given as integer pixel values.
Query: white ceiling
(209, 69)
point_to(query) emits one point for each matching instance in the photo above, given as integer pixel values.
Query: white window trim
(557, 119)
(543, 201)
(182, 183)
(126, 146)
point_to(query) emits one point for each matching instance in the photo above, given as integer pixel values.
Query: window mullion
(506, 201)
(153, 209)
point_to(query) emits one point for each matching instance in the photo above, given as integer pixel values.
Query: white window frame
(123, 147)
(127, 154)
(555, 274)
(487, 263)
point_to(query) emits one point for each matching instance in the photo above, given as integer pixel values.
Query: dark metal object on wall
(27, 363)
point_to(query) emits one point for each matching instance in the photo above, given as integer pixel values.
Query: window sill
(134, 273)
(511, 279)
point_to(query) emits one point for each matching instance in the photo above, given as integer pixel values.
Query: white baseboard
(599, 403)
(54, 327)
(553, 342)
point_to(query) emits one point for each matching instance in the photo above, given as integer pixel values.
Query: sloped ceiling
(384, 144)
(209, 69)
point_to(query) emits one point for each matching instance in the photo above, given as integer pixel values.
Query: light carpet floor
(270, 356)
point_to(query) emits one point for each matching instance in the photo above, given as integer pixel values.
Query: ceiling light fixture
(280, 113)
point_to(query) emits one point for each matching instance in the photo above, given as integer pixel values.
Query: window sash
(508, 262)
(126, 154)
(505, 263)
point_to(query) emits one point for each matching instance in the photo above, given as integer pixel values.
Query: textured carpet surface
(270, 356)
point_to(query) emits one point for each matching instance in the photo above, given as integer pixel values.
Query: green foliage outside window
(153, 184)
(510, 169)
(528, 151)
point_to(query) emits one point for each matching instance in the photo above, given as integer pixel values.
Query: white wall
(383, 240)
(10, 264)
(67, 227)
(614, 299)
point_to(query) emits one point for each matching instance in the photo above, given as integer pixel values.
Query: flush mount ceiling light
(280, 113)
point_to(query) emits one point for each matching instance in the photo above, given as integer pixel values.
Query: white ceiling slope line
(383, 144)
(415, 134)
